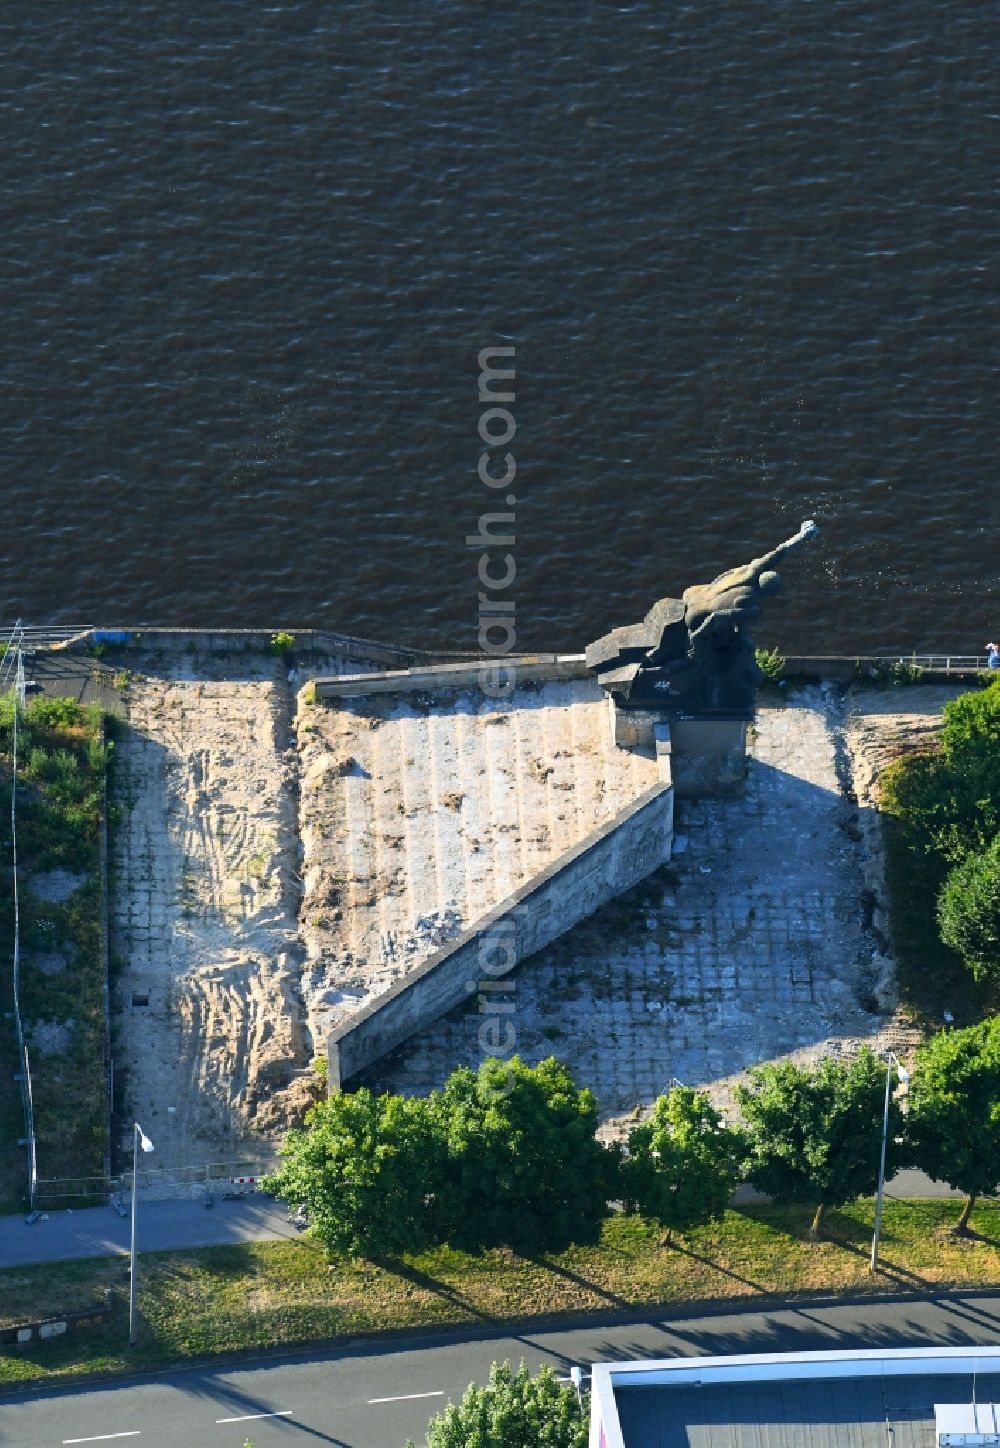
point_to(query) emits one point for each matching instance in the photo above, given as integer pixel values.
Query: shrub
(514, 1411)
(506, 1156)
(282, 642)
(903, 673)
(814, 1135)
(523, 1167)
(366, 1167)
(58, 713)
(969, 910)
(60, 789)
(943, 806)
(953, 1124)
(770, 663)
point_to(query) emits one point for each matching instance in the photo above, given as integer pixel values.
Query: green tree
(514, 1411)
(814, 1136)
(682, 1164)
(953, 1123)
(940, 807)
(366, 1167)
(524, 1167)
(948, 799)
(969, 910)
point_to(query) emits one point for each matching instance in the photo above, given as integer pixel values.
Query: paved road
(100, 1232)
(377, 1397)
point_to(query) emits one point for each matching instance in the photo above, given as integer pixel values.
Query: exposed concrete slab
(420, 816)
(752, 945)
(415, 820)
(470, 674)
(605, 864)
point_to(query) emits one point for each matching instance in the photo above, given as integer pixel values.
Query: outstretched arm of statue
(809, 529)
(749, 573)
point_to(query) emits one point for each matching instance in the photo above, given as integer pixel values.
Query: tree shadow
(580, 1281)
(437, 1287)
(970, 1234)
(677, 1246)
(901, 1276)
(847, 1232)
(970, 1312)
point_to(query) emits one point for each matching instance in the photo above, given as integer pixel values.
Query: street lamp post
(890, 1060)
(139, 1139)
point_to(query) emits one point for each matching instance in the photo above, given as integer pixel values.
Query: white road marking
(406, 1397)
(104, 1437)
(248, 1417)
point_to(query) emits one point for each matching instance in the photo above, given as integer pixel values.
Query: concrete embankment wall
(428, 675)
(475, 673)
(243, 640)
(608, 861)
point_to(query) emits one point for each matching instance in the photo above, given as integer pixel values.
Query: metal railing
(12, 661)
(48, 635)
(203, 1182)
(963, 663)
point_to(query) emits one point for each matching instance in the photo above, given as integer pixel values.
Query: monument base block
(633, 728)
(702, 758)
(709, 757)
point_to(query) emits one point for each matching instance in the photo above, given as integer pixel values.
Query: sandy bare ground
(886, 723)
(205, 908)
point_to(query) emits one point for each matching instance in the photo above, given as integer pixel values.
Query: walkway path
(163, 1226)
(101, 1232)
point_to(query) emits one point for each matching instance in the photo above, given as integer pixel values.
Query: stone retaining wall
(605, 863)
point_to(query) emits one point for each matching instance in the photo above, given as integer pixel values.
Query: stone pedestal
(633, 728)
(702, 758)
(709, 757)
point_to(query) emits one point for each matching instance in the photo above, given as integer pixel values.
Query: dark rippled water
(746, 252)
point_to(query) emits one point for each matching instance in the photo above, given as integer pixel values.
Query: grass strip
(256, 1296)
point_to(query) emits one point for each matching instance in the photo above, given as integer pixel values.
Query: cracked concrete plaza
(752, 945)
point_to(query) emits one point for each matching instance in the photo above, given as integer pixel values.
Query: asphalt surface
(377, 1396)
(100, 1232)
